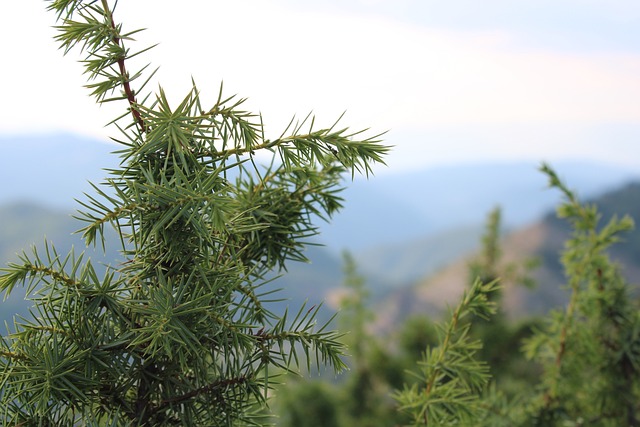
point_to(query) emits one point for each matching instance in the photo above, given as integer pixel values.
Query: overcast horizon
(452, 83)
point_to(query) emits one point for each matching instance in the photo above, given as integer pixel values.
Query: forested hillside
(445, 254)
(541, 241)
(25, 227)
(384, 211)
(497, 356)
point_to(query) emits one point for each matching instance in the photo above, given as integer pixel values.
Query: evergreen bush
(179, 332)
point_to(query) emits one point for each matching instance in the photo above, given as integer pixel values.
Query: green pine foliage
(578, 366)
(179, 332)
(590, 351)
(365, 387)
(358, 397)
(309, 403)
(450, 377)
(500, 336)
(587, 354)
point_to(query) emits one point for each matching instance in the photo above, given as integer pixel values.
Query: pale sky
(454, 81)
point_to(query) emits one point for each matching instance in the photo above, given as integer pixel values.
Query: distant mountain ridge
(543, 240)
(53, 170)
(397, 208)
(402, 264)
(400, 228)
(25, 226)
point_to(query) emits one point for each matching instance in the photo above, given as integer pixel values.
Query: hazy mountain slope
(543, 240)
(52, 170)
(402, 207)
(400, 227)
(308, 282)
(24, 226)
(392, 208)
(402, 264)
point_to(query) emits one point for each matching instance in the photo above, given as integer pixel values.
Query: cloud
(385, 72)
(388, 72)
(611, 143)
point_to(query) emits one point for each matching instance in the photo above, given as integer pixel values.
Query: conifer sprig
(592, 345)
(451, 379)
(181, 332)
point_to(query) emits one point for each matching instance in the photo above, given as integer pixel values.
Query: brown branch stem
(199, 391)
(549, 394)
(131, 98)
(12, 355)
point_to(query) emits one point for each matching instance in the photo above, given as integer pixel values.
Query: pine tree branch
(182, 307)
(131, 98)
(550, 393)
(219, 384)
(13, 355)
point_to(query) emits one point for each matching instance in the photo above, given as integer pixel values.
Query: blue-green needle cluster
(179, 332)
